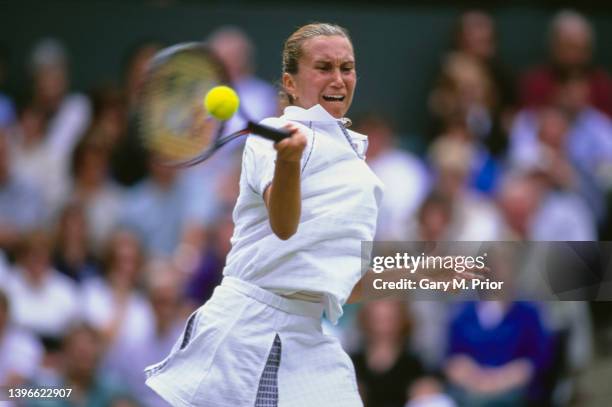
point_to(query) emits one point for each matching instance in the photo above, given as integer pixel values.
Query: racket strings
(177, 126)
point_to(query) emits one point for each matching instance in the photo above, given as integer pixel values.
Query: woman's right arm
(283, 197)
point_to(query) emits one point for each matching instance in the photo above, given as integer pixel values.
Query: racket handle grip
(268, 132)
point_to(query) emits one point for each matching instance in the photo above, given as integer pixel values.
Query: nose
(337, 78)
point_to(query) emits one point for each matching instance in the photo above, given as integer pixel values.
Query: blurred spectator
(496, 349)
(385, 368)
(101, 198)
(82, 349)
(464, 95)
(112, 304)
(484, 169)
(519, 200)
(42, 300)
(72, 255)
(21, 206)
(465, 105)
(404, 175)
(474, 97)
(562, 214)
(571, 42)
(164, 289)
(572, 138)
(34, 160)
(129, 159)
(431, 317)
(589, 143)
(474, 217)
(435, 216)
(258, 99)
(534, 210)
(20, 352)
(168, 214)
(110, 110)
(66, 115)
(475, 37)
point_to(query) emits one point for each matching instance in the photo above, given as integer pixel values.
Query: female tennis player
(305, 205)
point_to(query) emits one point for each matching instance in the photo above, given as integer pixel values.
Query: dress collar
(315, 114)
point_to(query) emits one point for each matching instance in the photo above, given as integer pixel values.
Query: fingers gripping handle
(268, 132)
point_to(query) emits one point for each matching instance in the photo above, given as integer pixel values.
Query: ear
(289, 84)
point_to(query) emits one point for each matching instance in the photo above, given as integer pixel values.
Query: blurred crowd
(104, 252)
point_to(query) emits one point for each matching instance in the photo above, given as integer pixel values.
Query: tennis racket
(174, 125)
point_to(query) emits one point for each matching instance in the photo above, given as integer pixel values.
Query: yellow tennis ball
(221, 102)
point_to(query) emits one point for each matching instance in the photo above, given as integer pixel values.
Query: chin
(337, 111)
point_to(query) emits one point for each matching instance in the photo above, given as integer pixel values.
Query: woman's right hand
(291, 148)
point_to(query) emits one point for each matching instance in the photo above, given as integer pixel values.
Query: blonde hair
(292, 50)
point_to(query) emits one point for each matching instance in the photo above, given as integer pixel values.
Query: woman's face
(326, 75)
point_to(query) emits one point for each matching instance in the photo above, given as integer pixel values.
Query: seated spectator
(20, 352)
(404, 175)
(32, 159)
(431, 317)
(112, 304)
(464, 95)
(435, 216)
(101, 198)
(580, 136)
(518, 199)
(109, 114)
(235, 49)
(476, 35)
(72, 256)
(82, 350)
(474, 215)
(42, 300)
(475, 38)
(385, 368)
(21, 206)
(496, 350)
(67, 115)
(535, 210)
(164, 290)
(466, 105)
(571, 41)
(166, 214)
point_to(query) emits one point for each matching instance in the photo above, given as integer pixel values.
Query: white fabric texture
(220, 363)
(340, 201)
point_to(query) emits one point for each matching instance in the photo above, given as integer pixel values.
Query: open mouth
(333, 98)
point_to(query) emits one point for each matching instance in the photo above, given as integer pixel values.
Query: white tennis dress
(220, 358)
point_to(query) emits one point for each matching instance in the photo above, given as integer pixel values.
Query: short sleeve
(258, 163)
(259, 158)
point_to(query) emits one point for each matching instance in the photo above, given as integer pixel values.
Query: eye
(324, 68)
(347, 68)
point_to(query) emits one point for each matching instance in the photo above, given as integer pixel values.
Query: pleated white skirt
(219, 359)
